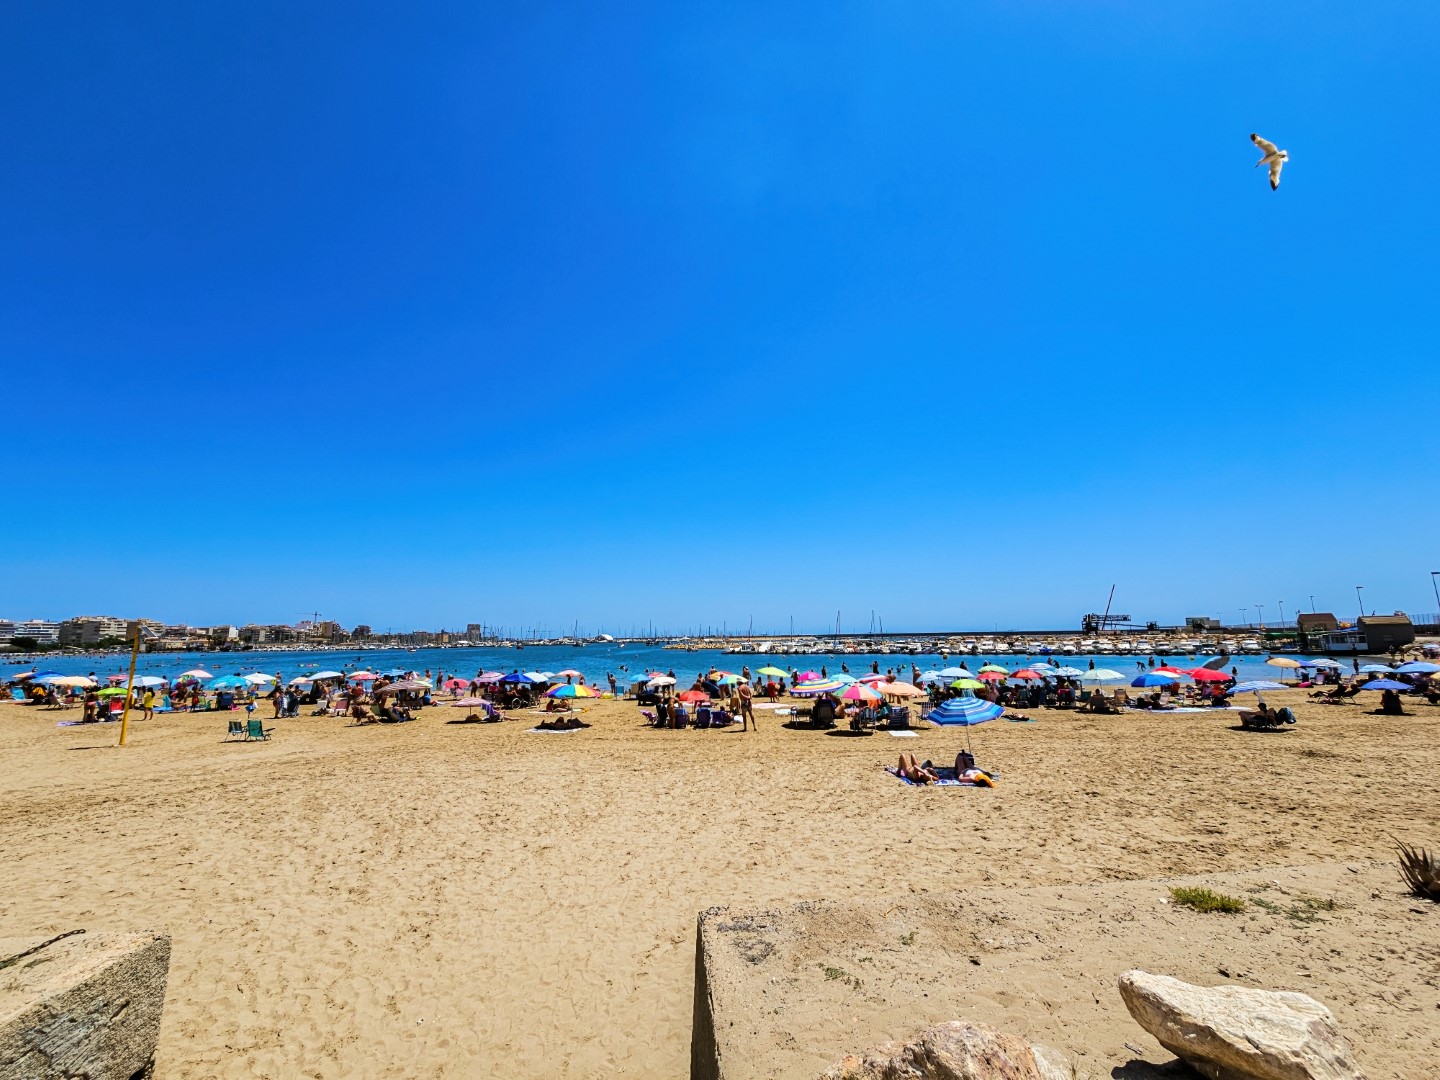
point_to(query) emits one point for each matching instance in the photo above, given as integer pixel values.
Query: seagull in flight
(1274, 157)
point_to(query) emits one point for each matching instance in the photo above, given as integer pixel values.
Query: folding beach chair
(234, 730)
(254, 729)
(17, 694)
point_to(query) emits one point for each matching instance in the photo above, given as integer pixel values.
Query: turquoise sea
(593, 661)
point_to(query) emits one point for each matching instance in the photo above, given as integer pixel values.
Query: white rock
(954, 1050)
(1238, 1033)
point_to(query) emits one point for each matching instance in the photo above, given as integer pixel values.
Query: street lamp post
(1433, 575)
(1244, 618)
(1360, 599)
(1260, 614)
(1282, 611)
(1312, 603)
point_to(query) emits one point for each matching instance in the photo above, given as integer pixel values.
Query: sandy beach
(440, 899)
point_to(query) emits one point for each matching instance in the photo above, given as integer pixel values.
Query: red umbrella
(694, 695)
(990, 676)
(456, 684)
(1025, 673)
(1167, 670)
(1205, 674)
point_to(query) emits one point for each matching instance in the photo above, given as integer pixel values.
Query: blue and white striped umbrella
(964, 711)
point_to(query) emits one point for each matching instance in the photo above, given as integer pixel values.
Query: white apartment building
(43, 631)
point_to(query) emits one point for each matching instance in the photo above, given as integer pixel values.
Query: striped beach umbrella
(572, 690)
(964, 711)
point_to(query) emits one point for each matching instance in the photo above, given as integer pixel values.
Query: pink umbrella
(858, 691)
(872, 678)
(571, 672)
(364, 676)
(808, 676)
(491, 677)
(455, 684)
(466, 702)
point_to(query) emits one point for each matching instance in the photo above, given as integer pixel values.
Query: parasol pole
(130, 686)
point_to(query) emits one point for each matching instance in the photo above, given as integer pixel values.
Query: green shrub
(1206, 900)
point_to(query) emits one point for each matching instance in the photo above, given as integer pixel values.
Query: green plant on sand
(1421, 871)
(1206, 900)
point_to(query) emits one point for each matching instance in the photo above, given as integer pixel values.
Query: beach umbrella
(404, 684)
(395, 673)
(773, 671)
(193, 673)
(953, 673)
(900, 689)
(539, 676)
(576, 690)
(987, 675)
(71, 680)
(661, 680)
(467, 702)
(570, 672)
(1154, 678)
(1027, 674)
(328, 675)
(490, 677)
(858, 691)
(995, 667)
(148, 680)
(729, 680)
(1045, 669)
(517, 677)
(1377, 669)
(112, 691)
(1099, 675)
(1167, 670)
(363, 676)
(228, 682)
(872, 678)
(1256, 687)
(1282, 662)
(818, 686)
(455, 684)
(1386, 684)
(964, 711)
(1322, 662)
(259, 678)
(1205, 674)
(1417, 667)
(1069, 672)
(694, 695)
(807, 676)
(41, 676)
(967, 684)
(302, 680)
(931, 676)
(30, 675)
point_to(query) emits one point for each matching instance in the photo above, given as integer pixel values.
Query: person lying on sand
(563, 723)
(912, 770)
(361, 714)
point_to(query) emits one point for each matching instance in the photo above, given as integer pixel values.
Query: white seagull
(1274, 157)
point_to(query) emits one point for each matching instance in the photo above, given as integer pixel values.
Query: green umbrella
(773, 671)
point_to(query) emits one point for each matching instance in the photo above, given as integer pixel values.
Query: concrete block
(81, 1005)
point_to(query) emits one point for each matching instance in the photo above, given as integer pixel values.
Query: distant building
(1202, 623)
(1386, 632)
(92, 629)
(474, 631)
(361, 632)
(43, 631)
(7, 629)
(1316, 622)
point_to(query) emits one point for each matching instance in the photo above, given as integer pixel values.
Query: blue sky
(696, 313)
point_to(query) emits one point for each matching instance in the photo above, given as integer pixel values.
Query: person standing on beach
(747, 707)
(149, 704)
(611, 676)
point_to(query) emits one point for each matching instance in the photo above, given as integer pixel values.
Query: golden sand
(436, 899)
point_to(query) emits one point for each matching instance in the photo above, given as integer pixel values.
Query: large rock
(954, 1050)
(81, 1005)
(1237, 1033)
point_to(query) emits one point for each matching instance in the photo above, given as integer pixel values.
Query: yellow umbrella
(967, 684)
(1282, 661)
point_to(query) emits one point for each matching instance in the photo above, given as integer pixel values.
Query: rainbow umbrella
(572, 690)
(858, 691)
(818, 686)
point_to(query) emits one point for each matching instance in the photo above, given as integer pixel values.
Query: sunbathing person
(563, 723)
(361, 713)
(913, 771)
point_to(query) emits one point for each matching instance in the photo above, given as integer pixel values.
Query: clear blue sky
(530, 313)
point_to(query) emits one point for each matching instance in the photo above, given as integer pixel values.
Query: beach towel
(87, 723)
(1190, 709)
(902, 734)
(552, 730)
(947, 778)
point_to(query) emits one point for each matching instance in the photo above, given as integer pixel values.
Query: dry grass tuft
(1421, 871)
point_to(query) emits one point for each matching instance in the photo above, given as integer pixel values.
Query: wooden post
(129, 687)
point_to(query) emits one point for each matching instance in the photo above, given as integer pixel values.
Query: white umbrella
(661, 680)
(148, 680)
(69, 680)
(328, 675)
(196, 673)
(259, 678)
(1099, 675)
